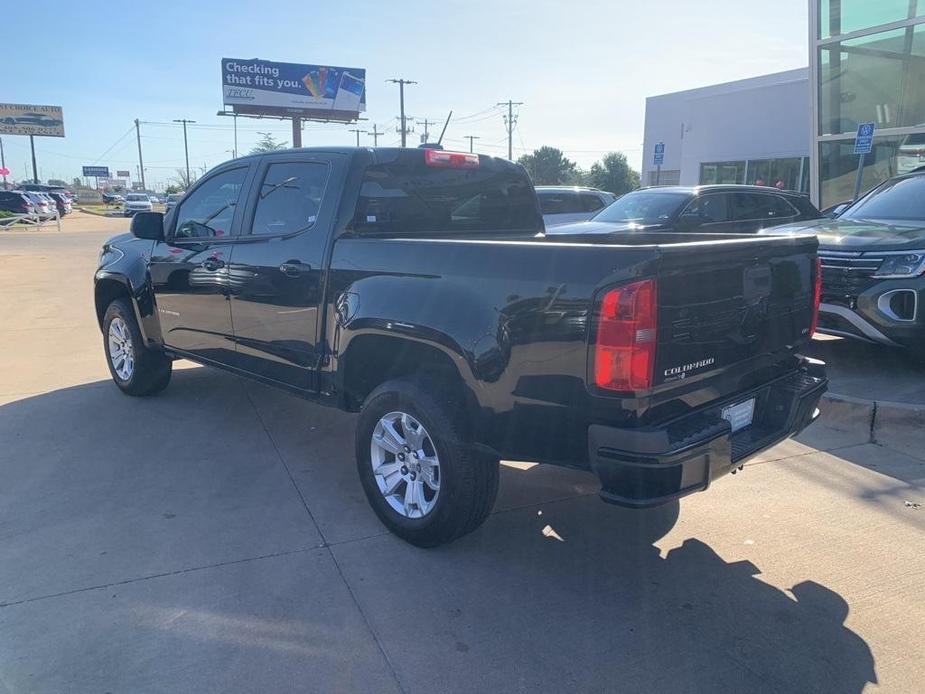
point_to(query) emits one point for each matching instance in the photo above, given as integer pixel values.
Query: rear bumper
(651, 466)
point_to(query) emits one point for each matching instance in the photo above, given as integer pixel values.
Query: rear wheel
(420, 472)
(135, 368)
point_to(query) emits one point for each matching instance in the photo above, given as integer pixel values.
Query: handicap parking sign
(864, 140)
(659, 158)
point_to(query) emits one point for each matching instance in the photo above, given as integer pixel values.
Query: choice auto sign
(31, 119)
(312, 91)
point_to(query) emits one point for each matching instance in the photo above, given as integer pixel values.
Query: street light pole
(185, 146)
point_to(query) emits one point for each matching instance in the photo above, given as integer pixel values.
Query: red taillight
(624, 353)
(817, 296)
(450, 160)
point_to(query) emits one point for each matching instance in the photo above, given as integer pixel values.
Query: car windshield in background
(644, 207)
(901, 199)
(137, 198)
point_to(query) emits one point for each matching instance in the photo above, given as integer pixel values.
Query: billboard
(96, 171)
(293, 89)
(123, 174)
(31, 119)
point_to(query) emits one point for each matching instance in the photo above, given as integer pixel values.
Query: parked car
(705, 209)
(43, 207)
(63, 202)
(873, 260)
(136, 202)
(154, 199)
(415, 286)
(172, 201)
(16, 201)
(911, 153)
(111, 198)
(564, 204)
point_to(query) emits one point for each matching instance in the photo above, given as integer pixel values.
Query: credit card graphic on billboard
(263, 86)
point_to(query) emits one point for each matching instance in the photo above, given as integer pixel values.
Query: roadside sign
(31, 119)
(864, 140)
(123, 174)
(96, 171)
(4, 171)
(659, 157)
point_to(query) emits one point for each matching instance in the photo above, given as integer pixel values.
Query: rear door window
(407, 196)
(591, 202)
(289, 197)
(711, 208)
(565, 202)
(749, 207)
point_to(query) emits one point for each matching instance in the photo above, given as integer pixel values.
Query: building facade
(748, 131)
(867, 64)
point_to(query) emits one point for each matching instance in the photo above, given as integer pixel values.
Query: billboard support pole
(296, 131)
(35, 170)
(235, 153)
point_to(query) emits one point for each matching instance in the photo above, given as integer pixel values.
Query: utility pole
(185, 146)
(375, 133)
(426, 123)
(509, 120)
(35, 170)
(296, 131)
(141, 163)
(357, 131)
(401, 82)
(2, 162)
(471, 138)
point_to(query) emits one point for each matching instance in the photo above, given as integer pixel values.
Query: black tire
(468, 479)
(152, 368)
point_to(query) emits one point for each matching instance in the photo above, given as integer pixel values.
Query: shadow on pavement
(554, 593)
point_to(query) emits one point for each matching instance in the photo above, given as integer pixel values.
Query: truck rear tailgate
(725, 303)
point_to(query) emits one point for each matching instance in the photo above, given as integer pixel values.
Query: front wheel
(421, 474)
(135, 368)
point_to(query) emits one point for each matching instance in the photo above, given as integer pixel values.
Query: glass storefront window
(838, 17)
(790, 173)
(879, 78)
(891, 156)
(722, 172)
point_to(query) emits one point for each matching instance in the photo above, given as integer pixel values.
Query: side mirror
(148, 225)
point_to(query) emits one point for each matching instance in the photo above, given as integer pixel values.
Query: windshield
(899, 199)
(646, 207)
(137, 198)
(173, 197)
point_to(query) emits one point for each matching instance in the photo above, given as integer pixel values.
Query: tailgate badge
(675, 372)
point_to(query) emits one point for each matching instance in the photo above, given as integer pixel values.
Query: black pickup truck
(417, 288)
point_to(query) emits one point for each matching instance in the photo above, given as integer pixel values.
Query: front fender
(125, 273)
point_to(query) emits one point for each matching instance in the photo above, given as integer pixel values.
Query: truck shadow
(557, 592)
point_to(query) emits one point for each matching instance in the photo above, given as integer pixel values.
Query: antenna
(444, 127)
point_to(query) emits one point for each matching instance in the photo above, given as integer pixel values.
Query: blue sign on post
(864, 140)
(659, 157)
(96, 171)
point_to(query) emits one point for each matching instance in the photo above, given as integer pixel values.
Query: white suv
(136, 202)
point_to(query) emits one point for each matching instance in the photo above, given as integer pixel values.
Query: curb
(899, 425)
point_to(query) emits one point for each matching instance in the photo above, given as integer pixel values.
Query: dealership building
(796, 129)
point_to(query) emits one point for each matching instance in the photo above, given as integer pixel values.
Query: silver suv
(565, 204)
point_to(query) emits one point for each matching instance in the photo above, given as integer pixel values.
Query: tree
(181, 181)
(613, 173)
(548, 166)
(173, 189)
(268, 143)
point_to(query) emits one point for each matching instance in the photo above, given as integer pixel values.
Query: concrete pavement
(215, 538)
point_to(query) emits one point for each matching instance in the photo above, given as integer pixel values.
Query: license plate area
(739, 415)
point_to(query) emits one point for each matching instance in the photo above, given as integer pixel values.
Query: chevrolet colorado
(417, 287)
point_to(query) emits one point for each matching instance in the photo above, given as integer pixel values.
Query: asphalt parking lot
(216, 538)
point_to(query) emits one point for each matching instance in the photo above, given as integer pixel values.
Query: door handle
(213, 264)
(294, 268)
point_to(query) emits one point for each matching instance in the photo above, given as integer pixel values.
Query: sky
(582, 69)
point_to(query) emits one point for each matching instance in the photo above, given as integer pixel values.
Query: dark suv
(16, 202)
(873, 264)
(704, 209)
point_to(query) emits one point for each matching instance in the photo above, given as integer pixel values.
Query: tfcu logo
(682, 371)
(238, 93)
